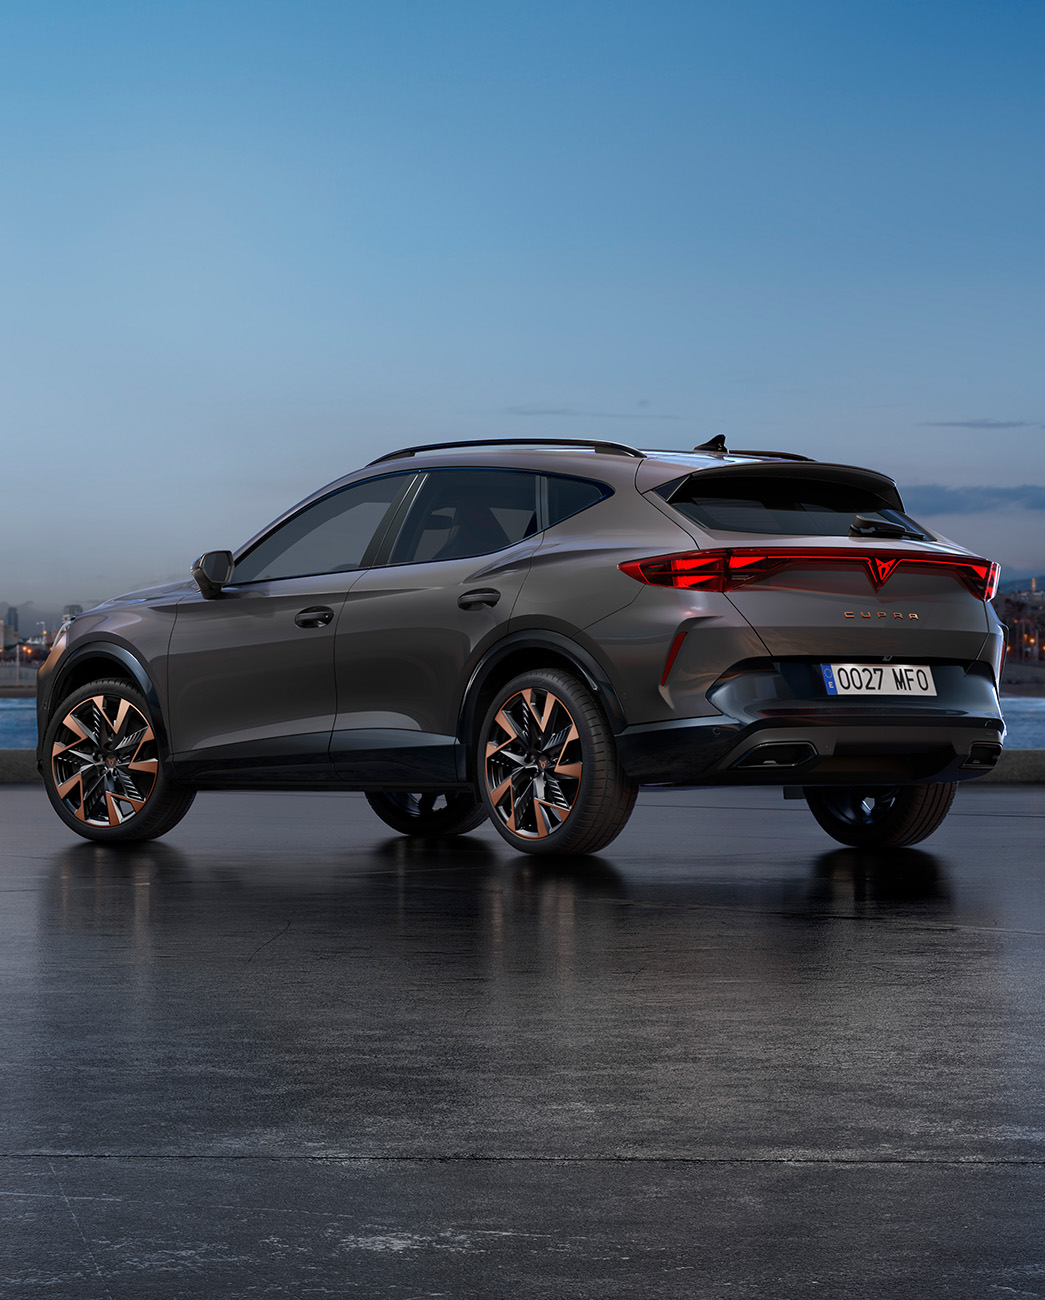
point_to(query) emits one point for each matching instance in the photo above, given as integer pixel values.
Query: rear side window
(569, 496)
(462, 512)
(792, 505)
(329, 536)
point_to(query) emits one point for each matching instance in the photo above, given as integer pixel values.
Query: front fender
(51, 692)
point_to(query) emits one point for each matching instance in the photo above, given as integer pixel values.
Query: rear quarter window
(569, 496)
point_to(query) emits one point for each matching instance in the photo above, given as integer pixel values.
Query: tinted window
(569, 496)
(467, 512)
(754, 505)
(330, 536)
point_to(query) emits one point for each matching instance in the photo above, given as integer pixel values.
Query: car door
(413, 627)
(251, 673)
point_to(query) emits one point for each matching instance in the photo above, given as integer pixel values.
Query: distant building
(71, 611)
(11, 619)
(1023, 613)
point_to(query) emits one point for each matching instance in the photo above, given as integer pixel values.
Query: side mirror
(212, 571)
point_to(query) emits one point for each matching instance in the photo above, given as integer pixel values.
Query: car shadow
(897, 875)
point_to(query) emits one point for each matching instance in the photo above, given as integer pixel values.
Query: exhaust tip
(776, 754)
(982, 757)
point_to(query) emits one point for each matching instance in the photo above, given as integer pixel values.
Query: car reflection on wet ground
(283, 1052)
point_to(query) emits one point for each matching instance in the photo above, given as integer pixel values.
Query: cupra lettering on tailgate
(881, 613)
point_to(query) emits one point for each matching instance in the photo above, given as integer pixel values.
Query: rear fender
(532, 649)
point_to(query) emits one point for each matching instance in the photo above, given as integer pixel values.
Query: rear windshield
(789, 506)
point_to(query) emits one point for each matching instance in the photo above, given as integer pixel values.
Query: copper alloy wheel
(533, 763)
(104, 761)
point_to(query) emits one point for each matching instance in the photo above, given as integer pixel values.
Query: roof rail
(717, 446)
(612, 448)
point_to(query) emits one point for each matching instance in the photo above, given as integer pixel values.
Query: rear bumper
(766, 734)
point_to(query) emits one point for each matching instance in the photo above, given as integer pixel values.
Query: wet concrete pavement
(284, 1052)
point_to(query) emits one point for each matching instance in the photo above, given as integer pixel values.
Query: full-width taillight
(728, 569)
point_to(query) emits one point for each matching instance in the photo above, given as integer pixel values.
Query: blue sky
(245, 247)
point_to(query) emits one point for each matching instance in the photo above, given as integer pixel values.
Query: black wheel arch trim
(582, 659)
(117, 654)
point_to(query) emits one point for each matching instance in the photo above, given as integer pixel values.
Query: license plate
(878, 679)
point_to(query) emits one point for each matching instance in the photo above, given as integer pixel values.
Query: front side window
(330, 536)
(458, 513)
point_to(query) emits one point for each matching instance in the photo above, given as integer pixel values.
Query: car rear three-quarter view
(528, 632)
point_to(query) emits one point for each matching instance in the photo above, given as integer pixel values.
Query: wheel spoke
(498, 794)
(553, 794)
(540, 718)
(99, 703)
(90, 789)
(80, 728)
(522, 802)
(130, 744)
(552, 815)
(67, 786)
(115, 726)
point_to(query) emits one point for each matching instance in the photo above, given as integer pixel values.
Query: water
(18, 724)
(1024, 717)
(1024, 721)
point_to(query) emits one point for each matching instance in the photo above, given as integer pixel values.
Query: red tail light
(703, 570)
(727, 570)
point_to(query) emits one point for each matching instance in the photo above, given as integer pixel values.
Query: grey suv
(528, 632)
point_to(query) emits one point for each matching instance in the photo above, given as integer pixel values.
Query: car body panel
(245, 682)
(574, 579)
(405, 651)
(637, 640)
(131, 632)
(912, 616)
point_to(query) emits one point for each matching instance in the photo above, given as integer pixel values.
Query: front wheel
(548, 768)
(102, 767)
(433, 813)
(880, 816)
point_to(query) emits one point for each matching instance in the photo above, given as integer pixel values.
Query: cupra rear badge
(881, 613)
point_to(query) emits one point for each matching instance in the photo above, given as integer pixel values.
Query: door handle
(314, 616)
(477, 599)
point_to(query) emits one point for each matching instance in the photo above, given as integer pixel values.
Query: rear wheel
(549, 772)
(880, 816)
(102, 767)
(431, 813)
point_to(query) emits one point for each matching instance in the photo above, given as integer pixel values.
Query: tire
(882, 816)
(548, 770)
(452, 813)
(103, 770)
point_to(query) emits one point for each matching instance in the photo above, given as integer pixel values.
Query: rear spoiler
(653, 475)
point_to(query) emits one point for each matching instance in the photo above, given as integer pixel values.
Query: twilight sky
(246, 246)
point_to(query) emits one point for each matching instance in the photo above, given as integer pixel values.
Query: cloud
(981, 424)
(933, 499)
(570, 412)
